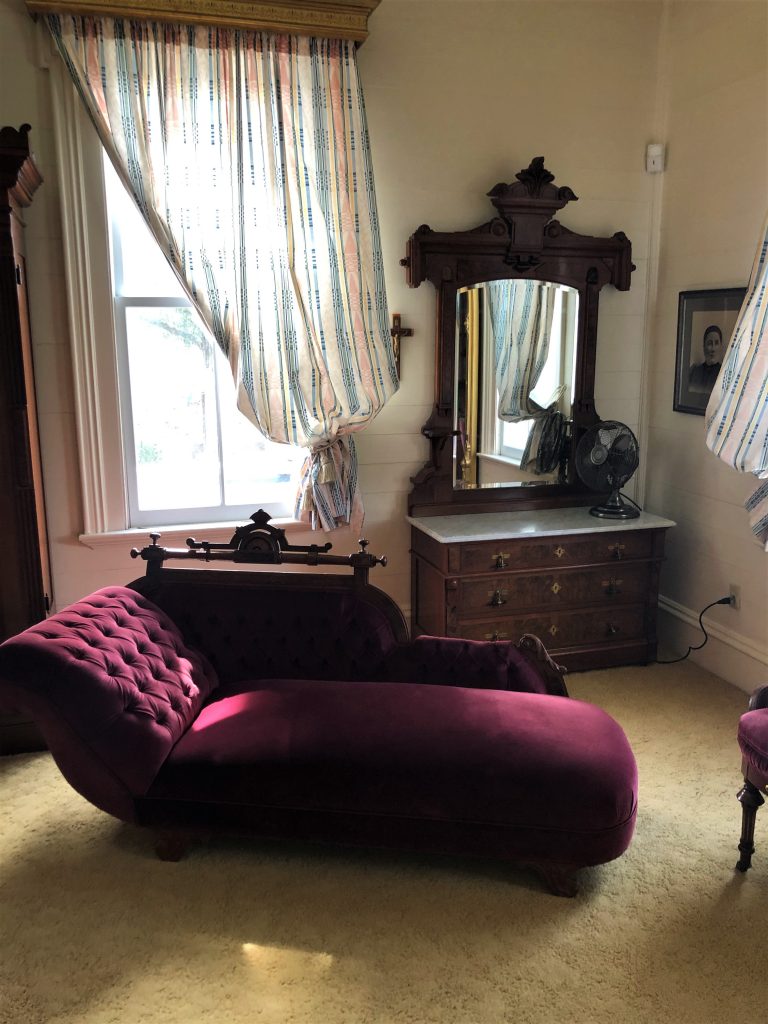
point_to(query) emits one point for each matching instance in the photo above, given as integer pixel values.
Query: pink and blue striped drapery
(248, 155)
(520, 314)
(737, 412)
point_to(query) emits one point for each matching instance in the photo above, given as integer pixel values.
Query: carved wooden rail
(258, 543)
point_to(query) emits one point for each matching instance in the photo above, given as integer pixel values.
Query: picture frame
(705, 323)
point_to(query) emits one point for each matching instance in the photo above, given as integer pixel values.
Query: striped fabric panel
(248, 155)
(520, 314)
(757, 507)
(737, 412)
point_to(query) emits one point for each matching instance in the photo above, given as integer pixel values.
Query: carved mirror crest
(517, 304)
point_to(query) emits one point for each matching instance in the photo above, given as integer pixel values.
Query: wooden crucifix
(398, 332)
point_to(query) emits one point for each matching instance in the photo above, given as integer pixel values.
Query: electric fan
(606, 457)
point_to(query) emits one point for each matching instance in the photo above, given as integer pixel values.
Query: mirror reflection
(515, 367)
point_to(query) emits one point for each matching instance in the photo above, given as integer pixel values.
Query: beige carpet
(95, 930)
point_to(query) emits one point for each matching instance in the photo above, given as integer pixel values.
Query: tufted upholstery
(116, 686)
(304, 634)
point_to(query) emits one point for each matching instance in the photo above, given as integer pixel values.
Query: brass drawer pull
(497, 635)
(501, 560)
(612, 585)
(618, 551)
(611, 629)
(556, 588)
(559, 551)
(498, 597)
(553, 630)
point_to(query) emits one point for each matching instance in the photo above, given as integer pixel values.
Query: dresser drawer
(562, 628)
(574, 549)
(509, 593)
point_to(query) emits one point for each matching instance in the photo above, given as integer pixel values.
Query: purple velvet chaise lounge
(293, 705)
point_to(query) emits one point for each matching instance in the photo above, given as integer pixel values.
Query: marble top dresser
(587, 587)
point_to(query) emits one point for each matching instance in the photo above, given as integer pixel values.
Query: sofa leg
(559, 879)
(170, 845)
(751, 799)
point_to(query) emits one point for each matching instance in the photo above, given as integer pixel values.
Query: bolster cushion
(449, 661)
(112, 685)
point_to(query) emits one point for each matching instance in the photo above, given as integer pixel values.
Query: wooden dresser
(587, 587)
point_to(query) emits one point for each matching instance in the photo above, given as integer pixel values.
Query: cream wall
(459, 96)
(715, 119)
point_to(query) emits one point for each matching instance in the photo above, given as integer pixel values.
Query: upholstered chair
(753, 741)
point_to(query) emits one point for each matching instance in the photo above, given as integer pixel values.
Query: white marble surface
(544, 522)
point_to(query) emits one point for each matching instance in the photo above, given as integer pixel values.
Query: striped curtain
(520, 313)
(737, 413)
(248, 156)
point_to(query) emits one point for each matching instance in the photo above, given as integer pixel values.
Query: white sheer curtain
(737, 413)
(248, 155)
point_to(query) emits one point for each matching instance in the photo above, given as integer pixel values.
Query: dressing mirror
(517, 304)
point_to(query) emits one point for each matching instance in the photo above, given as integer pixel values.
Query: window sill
(176, 536)
(504, 460)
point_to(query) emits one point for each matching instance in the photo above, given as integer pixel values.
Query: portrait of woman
(705, 322)
(702, 376)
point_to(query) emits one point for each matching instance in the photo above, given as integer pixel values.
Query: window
(189, 454)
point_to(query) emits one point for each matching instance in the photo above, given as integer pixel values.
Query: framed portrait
(705, 323)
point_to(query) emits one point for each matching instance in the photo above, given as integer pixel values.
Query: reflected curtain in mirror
(515, 365)
(521, 325)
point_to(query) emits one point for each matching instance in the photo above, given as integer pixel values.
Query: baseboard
(739, 660)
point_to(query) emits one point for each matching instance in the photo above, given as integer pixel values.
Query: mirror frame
(521, 242)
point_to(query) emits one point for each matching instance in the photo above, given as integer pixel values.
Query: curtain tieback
(322, 463)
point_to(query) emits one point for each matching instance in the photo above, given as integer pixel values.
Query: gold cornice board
(335, 19)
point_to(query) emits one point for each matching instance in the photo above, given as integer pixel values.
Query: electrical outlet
(734, 593)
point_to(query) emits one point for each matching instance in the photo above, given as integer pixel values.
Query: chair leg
(751, 799)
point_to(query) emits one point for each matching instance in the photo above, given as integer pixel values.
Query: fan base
(609, 511)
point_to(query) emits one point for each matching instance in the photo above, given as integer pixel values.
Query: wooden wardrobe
(25, 579)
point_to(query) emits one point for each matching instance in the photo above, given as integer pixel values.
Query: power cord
(630, 500)
(672, 661)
